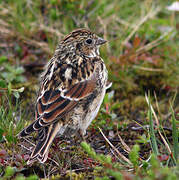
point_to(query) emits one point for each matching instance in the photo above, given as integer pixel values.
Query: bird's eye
(89, 41)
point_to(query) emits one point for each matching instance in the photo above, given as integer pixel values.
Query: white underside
(93, 113)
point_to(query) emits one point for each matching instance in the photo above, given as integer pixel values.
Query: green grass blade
(175, 136)
(152, 131)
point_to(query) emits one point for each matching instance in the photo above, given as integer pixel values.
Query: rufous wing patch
(59, 103)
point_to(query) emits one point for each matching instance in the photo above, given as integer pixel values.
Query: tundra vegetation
(135, 135)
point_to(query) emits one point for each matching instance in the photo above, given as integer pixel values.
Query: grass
(11, 120)
(175, 139)
(135, 135)
(152, 132)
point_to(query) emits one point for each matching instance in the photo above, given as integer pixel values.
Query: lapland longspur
(71, 92)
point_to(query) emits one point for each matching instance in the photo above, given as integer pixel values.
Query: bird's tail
(28, 130)
(46, 136)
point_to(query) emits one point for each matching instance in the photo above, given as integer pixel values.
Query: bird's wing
(55, 103)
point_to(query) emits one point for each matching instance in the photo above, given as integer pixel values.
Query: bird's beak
(100, 41)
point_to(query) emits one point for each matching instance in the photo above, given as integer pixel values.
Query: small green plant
(10, 174)
(10, 76)
(149, 170)
(157, 171)
(112, 169)
(143, 139)
(170, 149)
(11, 120)
(134, 156)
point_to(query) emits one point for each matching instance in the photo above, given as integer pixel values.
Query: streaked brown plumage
(72, 90)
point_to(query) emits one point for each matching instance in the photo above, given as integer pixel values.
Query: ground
(135, 135)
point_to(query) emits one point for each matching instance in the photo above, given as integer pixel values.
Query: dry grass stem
(153, 11)
(154, 43)
(148, 69)
(120, 154)
(158, 126)
(104, 25)
(51, 30)
(127, 148)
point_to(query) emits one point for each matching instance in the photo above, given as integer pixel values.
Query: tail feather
(28, 130)
(40, 152)
(35, 126)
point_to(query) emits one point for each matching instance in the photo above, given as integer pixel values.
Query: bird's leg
(83, 138)
(82, 135)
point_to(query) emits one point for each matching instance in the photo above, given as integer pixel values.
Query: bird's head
(84, 42)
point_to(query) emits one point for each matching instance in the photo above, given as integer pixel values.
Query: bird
(72, 89)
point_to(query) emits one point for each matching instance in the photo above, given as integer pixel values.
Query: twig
(112, 152)
(52, 171)
(53, 161)
(45, 176)
(122, 156)
(127, 148)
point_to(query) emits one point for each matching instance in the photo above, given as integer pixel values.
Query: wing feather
(54, 103)
(61, 102)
